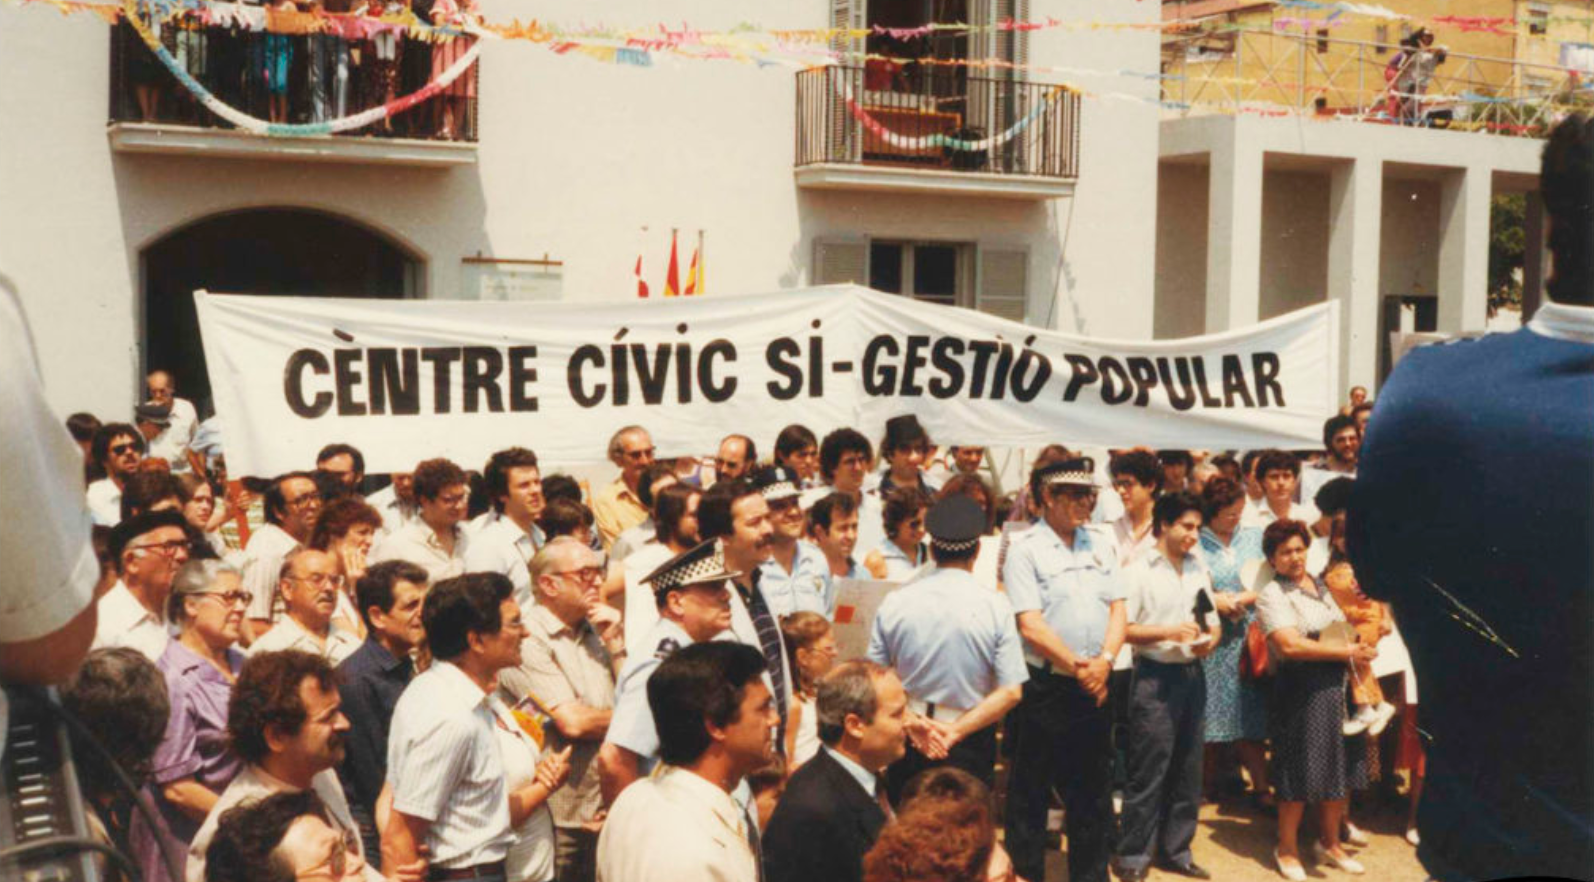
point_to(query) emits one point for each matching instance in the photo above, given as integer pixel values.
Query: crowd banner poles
(405, 380)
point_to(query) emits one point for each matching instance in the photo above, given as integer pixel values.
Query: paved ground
(1235, 842)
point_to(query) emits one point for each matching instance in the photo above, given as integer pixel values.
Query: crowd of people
(498, 674)
(303, 61)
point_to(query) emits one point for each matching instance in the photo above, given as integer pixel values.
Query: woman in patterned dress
(1310, 760)
(454, 101)
(1236, 706)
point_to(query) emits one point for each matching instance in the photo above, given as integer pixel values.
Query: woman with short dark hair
(902, 551)
(1310, 760)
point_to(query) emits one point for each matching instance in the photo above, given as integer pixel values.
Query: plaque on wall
(500, 278)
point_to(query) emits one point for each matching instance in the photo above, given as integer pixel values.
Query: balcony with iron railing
(881, 127)
(312, 96)
(1246, 70)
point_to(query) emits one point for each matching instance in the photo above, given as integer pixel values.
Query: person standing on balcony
(453, 103)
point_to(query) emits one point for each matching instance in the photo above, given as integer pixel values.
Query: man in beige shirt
(616, 507)
(569, 658)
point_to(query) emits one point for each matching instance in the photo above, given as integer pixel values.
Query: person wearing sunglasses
(148, 550)
(118, 448)
(617, 507)
(194, 764)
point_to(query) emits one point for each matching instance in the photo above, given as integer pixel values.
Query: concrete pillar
(1535, 256)
(1355, 221)
(1464, 250)
(1234, 235)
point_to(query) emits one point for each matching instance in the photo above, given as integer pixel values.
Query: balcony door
(274, 251)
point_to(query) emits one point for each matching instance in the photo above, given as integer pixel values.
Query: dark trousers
(1061, 739)
(1167, 705)
(575, 855)
(975, 754)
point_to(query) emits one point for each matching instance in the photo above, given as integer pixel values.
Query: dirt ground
(1235, 842)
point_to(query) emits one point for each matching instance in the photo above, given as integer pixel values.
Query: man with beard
(310, 584)
(286, 723)
(118, 448)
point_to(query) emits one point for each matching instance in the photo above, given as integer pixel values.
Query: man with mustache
(309, 587)
(286, 723)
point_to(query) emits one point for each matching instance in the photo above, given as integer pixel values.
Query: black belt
(444, 874)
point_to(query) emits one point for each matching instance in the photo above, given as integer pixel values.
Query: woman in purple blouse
(193, 764)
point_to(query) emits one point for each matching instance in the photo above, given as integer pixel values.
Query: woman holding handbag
(1236, 705)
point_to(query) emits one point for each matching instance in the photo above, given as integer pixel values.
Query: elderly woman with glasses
(194, 764)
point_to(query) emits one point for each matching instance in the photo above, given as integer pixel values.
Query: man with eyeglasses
(292, 505)
(290, 831)
(1063, 583)
(437, 542)
(617, 507)
(148, 550)
(736, 457)
(573, 650)
(310, 584)
(118, 448)
(844, 460)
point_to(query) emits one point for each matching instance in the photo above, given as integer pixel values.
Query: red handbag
(1253, 657)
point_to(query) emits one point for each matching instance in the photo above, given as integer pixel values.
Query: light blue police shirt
(1073, 588)
(952, 640)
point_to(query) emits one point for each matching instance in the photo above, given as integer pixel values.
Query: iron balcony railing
(236, 65)
(882, 114)
(1260, 71)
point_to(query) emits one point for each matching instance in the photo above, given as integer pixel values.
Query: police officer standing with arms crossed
(1062, 581)
(954, 644)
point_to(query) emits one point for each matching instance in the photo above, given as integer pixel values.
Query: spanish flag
(694, 275)
(672, 279)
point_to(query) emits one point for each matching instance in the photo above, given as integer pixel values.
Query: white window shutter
(1004, 283)
(837, 263)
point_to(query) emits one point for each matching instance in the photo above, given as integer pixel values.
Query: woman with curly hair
(945, 832)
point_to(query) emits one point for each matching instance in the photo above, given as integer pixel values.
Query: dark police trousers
(1167, 705)
(975, 754)
(1062, 739)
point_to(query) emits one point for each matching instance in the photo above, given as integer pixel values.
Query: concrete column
(1464, 250)
(1535, 256)
(1355, 221)
(1234, 235)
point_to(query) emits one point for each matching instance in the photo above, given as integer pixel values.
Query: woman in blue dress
(1236, 711)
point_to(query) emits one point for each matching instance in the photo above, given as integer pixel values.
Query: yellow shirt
(616, 509)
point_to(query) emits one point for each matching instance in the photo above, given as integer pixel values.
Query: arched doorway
(280, 251)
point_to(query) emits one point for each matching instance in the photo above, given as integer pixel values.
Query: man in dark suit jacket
(830, 814)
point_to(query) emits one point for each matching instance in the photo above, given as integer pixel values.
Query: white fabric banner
(405, 380)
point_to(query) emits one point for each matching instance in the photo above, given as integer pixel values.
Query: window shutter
(837, 263)
(1004, 284)
(846, 140)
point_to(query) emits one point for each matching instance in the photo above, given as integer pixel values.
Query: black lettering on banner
(1004, 366)
(782, 359)
(391, 378)
(522, 375)
(1180, 400)
(293, 383)
(479, 375)
(944, 358)
(912, 360)
(346, 376)
(881, 381)
(620, 374)
(1234, 382)
(716, 392)
(583, 355)
(816, 366)
(1085, 374)
(1207, 398)
(651, 375)
(1266, 367)
(1116, 387)
(983, 350)
(1026, 390)
(683, 371)
(1144, 374)
(442, 359)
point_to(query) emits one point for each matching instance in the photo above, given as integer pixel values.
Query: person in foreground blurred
(945, 833)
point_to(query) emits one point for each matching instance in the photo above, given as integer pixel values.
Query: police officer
(1062, 581)
(692, 590)
(953, 643)
(797, 574)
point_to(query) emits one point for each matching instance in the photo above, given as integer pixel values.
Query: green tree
(1507, 242)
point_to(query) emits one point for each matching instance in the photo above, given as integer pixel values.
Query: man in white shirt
(396, 503)
(437, 541)
(1172, 626)
(682, 825)
(833, 524)
(1343, 441)
(285, 722)
(845, 457)
(309, 588)
(148, 550)
(184, 419)
(118, 448)
(292, 505)
(444, 766)
(154, 422)
(506, 539)
(1278, 472)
